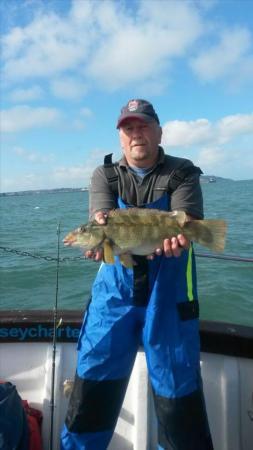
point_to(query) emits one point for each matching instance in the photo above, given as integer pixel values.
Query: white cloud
(68, 88)
(28, 181)
(183, 134)
(74, 175)
(86, 112)
(202, 132)
(229, 161)
(26, 94)
(106, 41)
(47, 46)
(144, 46)
(24, 117)
(235, 125)
(115, 44)
(219, 148)
(33, 156)
(211, 158)
(229, 58)
(77, 175)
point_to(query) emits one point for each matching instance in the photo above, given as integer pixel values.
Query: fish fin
(180, 217)
(108, 252)
(210, 233)
(127, 260)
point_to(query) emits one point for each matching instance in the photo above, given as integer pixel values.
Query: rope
(225, 257)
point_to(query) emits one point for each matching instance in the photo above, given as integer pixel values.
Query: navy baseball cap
(138, 109)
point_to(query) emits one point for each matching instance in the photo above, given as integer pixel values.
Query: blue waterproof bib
(154, 304)
(166, 323)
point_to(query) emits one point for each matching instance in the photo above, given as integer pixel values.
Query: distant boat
(212, 180)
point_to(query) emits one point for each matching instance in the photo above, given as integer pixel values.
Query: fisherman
(155, 303)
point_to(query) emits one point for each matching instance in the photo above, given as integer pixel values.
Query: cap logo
(132, 105)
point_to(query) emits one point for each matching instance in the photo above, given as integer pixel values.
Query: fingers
(158, 252)
(96, 255)
(101, 217)
(183, 241)
(175, 245)
(172, 247)
(176, 250)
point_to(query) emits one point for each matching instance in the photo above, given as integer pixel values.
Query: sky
(69, 66)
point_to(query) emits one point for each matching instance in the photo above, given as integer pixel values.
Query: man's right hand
(97, 254)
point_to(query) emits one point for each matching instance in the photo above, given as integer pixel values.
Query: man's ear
(160, 134)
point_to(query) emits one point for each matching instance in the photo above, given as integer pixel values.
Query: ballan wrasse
(137, 231)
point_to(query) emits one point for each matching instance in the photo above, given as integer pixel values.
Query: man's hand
(172, 247)
(97, 254)
(175, 245)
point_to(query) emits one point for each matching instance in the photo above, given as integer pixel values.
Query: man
(155, 303)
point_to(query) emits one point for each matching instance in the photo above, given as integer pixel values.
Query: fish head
(85, 236)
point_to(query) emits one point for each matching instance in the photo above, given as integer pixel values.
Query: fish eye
(82, 229)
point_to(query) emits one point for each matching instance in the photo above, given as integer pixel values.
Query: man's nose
(137, 131)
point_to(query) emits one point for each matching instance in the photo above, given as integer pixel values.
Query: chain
(77, 258)
(37, 256)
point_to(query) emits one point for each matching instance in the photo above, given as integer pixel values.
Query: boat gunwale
(215, 337)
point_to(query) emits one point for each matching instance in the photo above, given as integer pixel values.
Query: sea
(32, 227)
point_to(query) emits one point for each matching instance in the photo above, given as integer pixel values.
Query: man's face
(140, 141)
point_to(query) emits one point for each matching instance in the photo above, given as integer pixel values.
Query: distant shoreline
(43, 191)
(203, 179)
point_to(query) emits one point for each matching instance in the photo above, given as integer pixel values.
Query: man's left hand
(172, 247)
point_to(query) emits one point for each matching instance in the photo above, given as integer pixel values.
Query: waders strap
(177, 177)
(111, 173)
(180, 175)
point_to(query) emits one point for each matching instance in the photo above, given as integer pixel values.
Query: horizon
(86, 188)
(68, 67)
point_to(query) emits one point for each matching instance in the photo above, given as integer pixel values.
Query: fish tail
(210, 233)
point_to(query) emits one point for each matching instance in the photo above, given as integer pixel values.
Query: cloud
(73, 175)
(143, 46)
(30, 52)
(211, 158)
(68, 88)
(52, 176)
(26, 94)
(216, 147)
(223, 160)
(34, 156)
(85, 112)
(235, 125)
(28, 181)
(183, 134)
(114, 45)
(223, 60)
(24, 117)
(117, 44)
(107, 42)
(202, 132)
(81, 119)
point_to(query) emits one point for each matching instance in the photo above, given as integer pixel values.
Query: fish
(139, 231)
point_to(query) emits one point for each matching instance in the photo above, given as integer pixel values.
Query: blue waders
(155, 303)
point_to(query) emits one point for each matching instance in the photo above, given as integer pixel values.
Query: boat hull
(226, 364)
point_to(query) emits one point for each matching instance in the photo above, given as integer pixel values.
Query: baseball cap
(138, 109)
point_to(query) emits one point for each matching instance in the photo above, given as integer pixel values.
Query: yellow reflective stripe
(189, 275)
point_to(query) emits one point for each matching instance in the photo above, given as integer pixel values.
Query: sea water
(30, 223)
